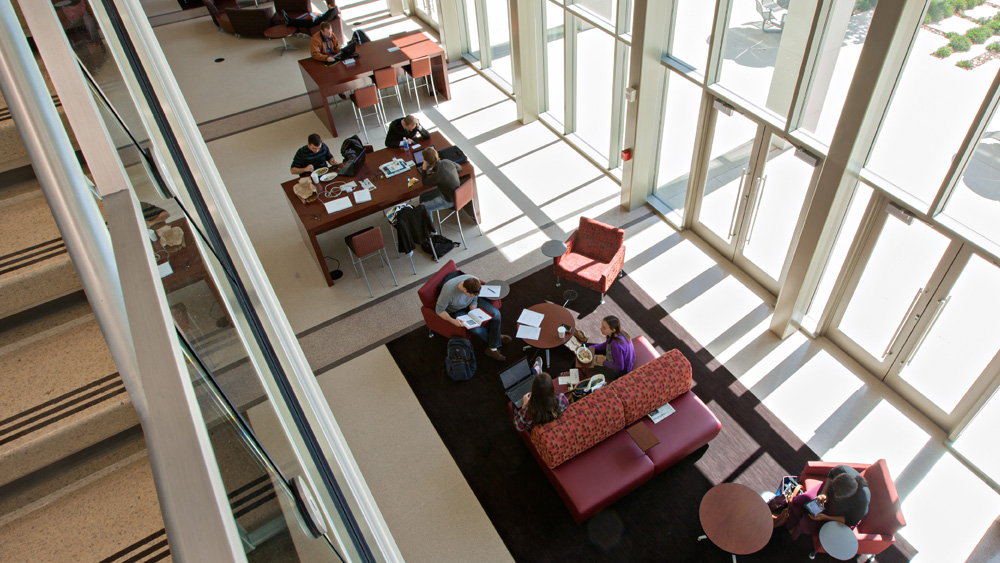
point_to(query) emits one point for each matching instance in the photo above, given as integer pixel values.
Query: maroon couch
(298, 8)
(588, 455)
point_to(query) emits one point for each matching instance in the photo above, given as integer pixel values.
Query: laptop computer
(351, 167)
(347, 51)
(418, 156)
(517, 380)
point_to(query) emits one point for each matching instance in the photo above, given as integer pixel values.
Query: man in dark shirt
(404, 128)
(443, 174)
(310, 20)
(315, 154)
(845, 496)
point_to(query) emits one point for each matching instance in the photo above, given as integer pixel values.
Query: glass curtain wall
(486, 40)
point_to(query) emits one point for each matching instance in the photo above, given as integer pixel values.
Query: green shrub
(939, 10)
(864, 5)
(995, 47)
(979, 35)
(994, 25)
(967, 65)
(945, 52)
(960, 43)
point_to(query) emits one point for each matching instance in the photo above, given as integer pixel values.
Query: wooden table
(548, 335)
(187, 267)
(735, 518)
(323, 81)
(313, 220)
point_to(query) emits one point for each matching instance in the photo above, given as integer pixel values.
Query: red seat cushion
(582, 266)
(690, 427)
(581, 426)
(884, 515)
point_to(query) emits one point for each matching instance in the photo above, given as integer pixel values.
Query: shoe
(284, 16)
(504, 339)
(496, 355)
(537, 366)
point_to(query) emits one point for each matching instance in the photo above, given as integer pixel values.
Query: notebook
(516, 380)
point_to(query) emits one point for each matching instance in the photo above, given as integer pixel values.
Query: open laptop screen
(515, 373)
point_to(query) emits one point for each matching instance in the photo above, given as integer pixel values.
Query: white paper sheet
(392, 49)
(530, 318)
(348, 62)
(165, 269)
(339, 204)
(362, 196)
(489, 291)
(526, 332)
(574, 376)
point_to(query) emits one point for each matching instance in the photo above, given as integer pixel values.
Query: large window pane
(498, 21)
(932, 108)
(680, 124)
(555, 61)
(472, 30)
(594, 73)
(603, 9)
(976, 199)
(692, 32)
(762, 60)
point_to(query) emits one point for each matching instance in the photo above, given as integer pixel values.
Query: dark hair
(325, 25)
(543, 406)
(315, 140)
(845, 485)
(410, 120)
(616, 328)
(472, 285)
(430, 155)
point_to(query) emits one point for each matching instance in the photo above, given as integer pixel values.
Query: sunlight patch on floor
(496, 207)
(517, 143)
(884, 420)
(756, 366)
(470, 96)
(532, 240)
(541, 182)
(485, 120)
(716, 309)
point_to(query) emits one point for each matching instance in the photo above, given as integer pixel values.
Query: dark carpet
(656, 522)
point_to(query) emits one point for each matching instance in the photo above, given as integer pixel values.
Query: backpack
(442, 245)
(351, 148)
(460, 363)
(360, 37)
(454, 154)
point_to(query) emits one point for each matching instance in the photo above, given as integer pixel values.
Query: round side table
(554, 248)
(735, 518)
(504, 287)
(838, 540)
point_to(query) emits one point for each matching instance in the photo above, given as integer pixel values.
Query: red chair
(594, 256)
(366, 97)
(385, 79)
(463, 197)
(877, 529)
(428, 300)
(366, 244)
(420, 68)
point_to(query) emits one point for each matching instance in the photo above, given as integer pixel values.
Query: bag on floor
(454, 154)
(442, 245)
(460, 363)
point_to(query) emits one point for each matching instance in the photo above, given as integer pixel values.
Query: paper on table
(489, 291)
(574, 376)
(367, 184)
(393, 49)
(165, 269)
(526, 332)
(530, 318)
(348, 62)
(564, 380)
(339, 204)
(362, 196)
(410, 164)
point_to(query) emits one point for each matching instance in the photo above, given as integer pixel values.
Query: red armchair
(877, 529)
(428, 300)
(250, 21)
(594, 256)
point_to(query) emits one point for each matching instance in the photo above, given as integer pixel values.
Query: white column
(526, 40)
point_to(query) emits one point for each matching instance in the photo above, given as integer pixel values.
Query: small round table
(548, 334)
(504, 287)
(281, 32)
(735, 518)
(554, 248)
(838, 540)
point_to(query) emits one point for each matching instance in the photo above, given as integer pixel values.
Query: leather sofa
(298, 8)
(587, 453)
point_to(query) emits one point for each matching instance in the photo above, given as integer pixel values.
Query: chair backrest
(463, 194)
(212, 9)
(420, 67)
(301, 6)
(428, 293)
(884, 514)
(250, 21)
(365, 97)
(760, 8)
(598, 240)
(368, 241)
(385, 78)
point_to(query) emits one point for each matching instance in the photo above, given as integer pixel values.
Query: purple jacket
(619, 355)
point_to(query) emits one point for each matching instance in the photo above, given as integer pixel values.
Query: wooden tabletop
(736, 518)
(555, 315)
(372, 56)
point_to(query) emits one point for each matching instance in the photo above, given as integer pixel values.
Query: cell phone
(814, 507)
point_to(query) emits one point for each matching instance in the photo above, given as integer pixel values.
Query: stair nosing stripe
(250, 508)
(147, 551)
(247, 487)
(256, 493)
(159, 556)
(41, 244)
(57, 409)
(128, 548)
(80, 408)
(62, 397)
(32, 254)
(9, 270)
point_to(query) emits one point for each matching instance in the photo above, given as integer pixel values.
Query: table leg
(548, 360)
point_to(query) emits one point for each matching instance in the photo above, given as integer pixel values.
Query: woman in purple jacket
(615, 356)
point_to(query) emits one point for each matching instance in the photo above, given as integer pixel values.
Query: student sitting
(615, 356)
(542, 404)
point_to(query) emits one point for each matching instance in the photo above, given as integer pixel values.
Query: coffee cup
(562, 331)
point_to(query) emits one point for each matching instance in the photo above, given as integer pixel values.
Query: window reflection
(595, 62)
(692, 32)
(975, 201)
(555, 63)
(680, 129)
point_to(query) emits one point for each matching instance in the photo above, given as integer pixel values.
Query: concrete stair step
(62, 392)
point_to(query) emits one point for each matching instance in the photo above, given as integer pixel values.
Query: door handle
(942, 303)
(756, 208)
(902, 323)
(736, 206)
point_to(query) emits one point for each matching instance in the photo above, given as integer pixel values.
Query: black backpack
(461, 360)
(351, 148)
(442, 245)
(360, 37)
(454, 154)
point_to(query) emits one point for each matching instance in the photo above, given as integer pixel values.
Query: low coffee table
(735, 518)
(838, 540)
(548, 335)
(281, 32)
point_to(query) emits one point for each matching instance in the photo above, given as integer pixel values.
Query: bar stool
(365, 244)
(420, 68)
(363, 98)
(385, 79)
(463, 197)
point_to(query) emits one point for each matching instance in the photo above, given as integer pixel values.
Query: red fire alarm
(627, 155)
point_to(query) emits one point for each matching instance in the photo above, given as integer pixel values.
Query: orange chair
(365, 244)
(876, 531)
(463, 197)
(595, 254)
(366, 97)
(420, 68)
(385, 79)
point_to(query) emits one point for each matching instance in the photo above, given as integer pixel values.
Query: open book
(474, 318)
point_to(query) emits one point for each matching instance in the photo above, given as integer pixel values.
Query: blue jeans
(490, 332)
(434, 204)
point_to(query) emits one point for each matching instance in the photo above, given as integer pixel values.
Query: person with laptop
(442, 173)
(404, 130)
(309, 20)
(314, 154)
(459, 295)
(324, 44)
(542, 404)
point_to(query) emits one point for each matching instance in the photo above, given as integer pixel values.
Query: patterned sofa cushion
(652, 385)
(582, 426)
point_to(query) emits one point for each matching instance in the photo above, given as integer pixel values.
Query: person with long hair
(542, 404)
(615, 356)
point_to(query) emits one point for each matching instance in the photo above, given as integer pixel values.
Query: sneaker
(284, 16)
(496, 355)
(504, 339)
(537, 366)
